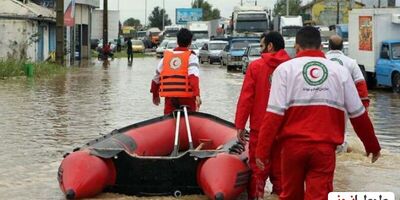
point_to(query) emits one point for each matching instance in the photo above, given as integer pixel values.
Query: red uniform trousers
(309, 163)
(172, 104)
(258, 177)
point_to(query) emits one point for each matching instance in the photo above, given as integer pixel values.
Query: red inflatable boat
(160, 156)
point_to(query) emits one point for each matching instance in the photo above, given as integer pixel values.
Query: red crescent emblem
(312, 72)
(174, 63)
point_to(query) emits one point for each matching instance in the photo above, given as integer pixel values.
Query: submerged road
(40, 120)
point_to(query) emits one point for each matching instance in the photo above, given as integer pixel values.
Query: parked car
(232, 54)
(289, 47)
(173, 44)
(252, 53)
(138, 46)
(160, 49)
(195, 48)
(210, 52)
(200, 42)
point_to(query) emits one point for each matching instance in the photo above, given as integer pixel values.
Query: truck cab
(249, 21)
(388, 65)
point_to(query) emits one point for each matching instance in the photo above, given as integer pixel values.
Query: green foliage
(209, 13)
(132, 22)
(156, 18)
(13, 68)
(294, 7)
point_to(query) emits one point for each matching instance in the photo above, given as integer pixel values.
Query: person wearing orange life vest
(335, 54)
(252, 104)
(177, 77)
(306, 109)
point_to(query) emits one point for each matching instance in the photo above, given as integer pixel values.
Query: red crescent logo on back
(314, 72)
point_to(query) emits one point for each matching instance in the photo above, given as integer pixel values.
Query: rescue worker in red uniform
(306, 109)
(177, 77)
(336, 54)
(253, 102)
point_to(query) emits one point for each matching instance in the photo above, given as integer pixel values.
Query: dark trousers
(130, 56)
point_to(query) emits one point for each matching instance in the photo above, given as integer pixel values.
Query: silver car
(161, 48)
(210, 52)
(173, 44)
(252, 53)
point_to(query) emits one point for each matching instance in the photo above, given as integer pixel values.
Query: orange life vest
(174, 77)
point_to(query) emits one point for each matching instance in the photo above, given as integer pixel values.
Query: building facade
(27, 31)
(78, 36)
(325, 12)
(81, 32)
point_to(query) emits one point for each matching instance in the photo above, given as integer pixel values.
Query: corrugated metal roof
(17, 8)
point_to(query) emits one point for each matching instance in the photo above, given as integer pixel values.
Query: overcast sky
(136, 8)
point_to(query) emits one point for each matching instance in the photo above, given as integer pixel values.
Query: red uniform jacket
(254, 96)
(307, 122)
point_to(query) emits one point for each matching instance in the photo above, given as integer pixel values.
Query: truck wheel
(396, 82)
(371, 80)
(228, 68)
(201, 60)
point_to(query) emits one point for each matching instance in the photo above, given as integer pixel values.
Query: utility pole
(163, 16)
(145, 13)
(241, 2)
(337, 11)
(60, 32)
(256, 2)
(287, 7)
(105, 22)
(379, 3)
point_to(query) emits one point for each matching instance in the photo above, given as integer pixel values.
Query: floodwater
(40, 120)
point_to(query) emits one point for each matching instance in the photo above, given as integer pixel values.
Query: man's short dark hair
(275, 38)
(309, 37)
(335, 46)
(184, 37)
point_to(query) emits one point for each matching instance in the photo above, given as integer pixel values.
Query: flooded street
(40, 120)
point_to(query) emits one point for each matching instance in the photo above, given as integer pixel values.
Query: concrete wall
(18, 39)
(97, 24)
(82, 16)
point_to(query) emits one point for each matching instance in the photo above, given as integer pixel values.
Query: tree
(208, 12)
(294, 7)
(156, 18)
(132, 22)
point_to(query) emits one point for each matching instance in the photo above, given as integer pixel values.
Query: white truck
(374, 41)
(288, 26)
(170, 32)
(199, 29)
(249, 21)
